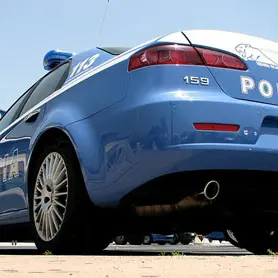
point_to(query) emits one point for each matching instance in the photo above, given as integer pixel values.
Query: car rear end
(208, 102)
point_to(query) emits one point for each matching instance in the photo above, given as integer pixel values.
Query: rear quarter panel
(80, 101)
(96, 81)
(88, 97)
(129, 141)
(111, 116)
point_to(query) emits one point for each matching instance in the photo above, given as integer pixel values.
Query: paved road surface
(146, 250)
(191, 261)
(138, 266)
(197, 249)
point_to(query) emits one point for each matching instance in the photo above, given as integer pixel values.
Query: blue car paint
(228, 80)
(157, 123)
(122, 123)
(99, 58)
(13, 196)
(23, 136)
(215, 236)
(161, 238)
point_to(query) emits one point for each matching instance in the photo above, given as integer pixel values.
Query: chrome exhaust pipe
(211, 190)
(199, 200)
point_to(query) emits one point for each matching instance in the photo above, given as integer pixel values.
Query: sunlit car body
(181, 127)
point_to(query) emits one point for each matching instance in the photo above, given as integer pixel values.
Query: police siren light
(55, 57)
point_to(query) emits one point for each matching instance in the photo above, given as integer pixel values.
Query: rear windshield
(115, 50)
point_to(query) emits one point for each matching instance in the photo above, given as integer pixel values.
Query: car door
(5, 123)
(15, 140)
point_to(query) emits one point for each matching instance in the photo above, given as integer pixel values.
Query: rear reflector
(184, 55)
(216, 127)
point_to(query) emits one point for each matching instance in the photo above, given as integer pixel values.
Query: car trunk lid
(260, 81)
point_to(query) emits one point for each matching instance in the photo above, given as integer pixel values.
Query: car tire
(147, 240)
(229, 235)
(136, 239)
(59, 205)
(120, 240)
(258, 242)
(174, 240)
(185, 241)
(185, 238)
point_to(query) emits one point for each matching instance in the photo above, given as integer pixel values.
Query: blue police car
(114, 140)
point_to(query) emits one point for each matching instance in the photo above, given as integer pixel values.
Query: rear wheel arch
(51, 136)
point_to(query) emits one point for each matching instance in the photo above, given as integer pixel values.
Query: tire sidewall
(120, 240)
(174, 240)
(73, 217)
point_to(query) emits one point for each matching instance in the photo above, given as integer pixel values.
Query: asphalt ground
(214, 248)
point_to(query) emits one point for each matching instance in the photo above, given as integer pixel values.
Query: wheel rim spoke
(61, 194)
(50, 196)
(43, 173)
(59, 204)
(47, 168)
(50, 166)
(61, 184)
(55, 165)
(46, 226)
(60, 176)
(50, 224)
(57, 213)
(57, 170)
(54, 220)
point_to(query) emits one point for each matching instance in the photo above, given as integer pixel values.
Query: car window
(1, 113)
(49, 84)
(11, 114)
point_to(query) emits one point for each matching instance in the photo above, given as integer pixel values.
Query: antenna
(102, 23)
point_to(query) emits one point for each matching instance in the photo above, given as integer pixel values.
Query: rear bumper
(240, 171)
(194, 157)
(134, 146)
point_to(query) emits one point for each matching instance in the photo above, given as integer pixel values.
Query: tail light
(213, 58)
(184, 55)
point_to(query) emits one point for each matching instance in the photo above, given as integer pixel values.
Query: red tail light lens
(184, 55)
(165, 54)
(219, 59)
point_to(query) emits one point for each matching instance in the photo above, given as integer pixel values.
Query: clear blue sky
(29, 28)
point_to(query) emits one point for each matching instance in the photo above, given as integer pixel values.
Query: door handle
(30, 118)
